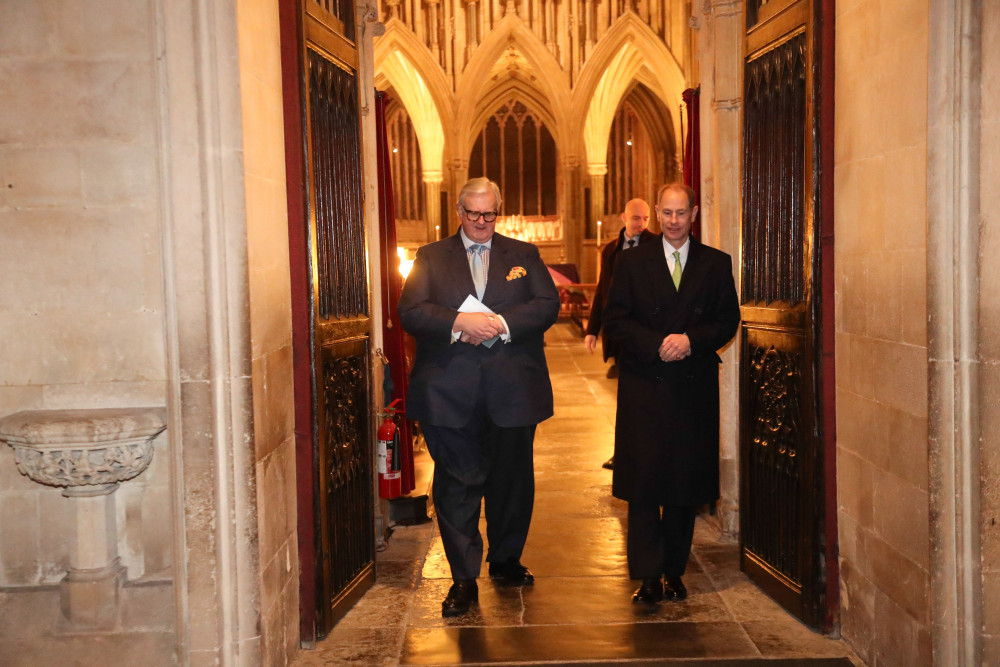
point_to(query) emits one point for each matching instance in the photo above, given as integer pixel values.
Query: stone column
(432, 5)
(597, 173)
(432, 203)
(720, 41)
(571, 207)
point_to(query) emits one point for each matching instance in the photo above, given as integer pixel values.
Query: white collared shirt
(669, 250)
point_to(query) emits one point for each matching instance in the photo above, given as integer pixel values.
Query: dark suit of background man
(479, 387)
(667, 427)
(636, 217)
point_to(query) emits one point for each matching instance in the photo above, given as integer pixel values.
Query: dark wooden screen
(330, 310)
(346, 464)
(342, 289)
(345, 523)
(781, 444)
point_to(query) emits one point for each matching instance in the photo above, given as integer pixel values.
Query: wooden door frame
(296, 184)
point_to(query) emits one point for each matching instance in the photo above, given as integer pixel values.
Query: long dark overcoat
(667, 428)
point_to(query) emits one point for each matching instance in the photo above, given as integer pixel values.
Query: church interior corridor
(580, 609)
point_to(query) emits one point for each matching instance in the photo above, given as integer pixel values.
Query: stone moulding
(86, 452)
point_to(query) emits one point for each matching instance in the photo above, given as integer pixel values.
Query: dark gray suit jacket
(449, 377)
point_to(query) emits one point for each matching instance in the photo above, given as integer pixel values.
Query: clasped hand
(675, 347)
(477, 327)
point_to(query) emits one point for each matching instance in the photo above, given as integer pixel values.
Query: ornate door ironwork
(782, 515)
(331, 324)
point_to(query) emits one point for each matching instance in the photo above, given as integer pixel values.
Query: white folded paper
(474, 305)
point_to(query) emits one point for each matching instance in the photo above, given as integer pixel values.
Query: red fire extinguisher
(389, 482)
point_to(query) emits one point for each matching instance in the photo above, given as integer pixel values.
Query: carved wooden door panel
(782, 504)
(331, 323)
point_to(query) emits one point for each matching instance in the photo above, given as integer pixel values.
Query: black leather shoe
(650, 592)
(511, 573)
(609, 464)
(673, 589)
(462, 595)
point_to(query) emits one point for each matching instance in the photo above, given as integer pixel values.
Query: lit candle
(598, 233)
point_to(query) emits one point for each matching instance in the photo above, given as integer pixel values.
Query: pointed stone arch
(407, 65)
(474, 87)
(630, 51)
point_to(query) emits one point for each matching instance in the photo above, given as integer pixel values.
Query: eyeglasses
(488, 216)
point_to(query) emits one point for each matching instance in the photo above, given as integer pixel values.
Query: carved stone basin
(87, 452)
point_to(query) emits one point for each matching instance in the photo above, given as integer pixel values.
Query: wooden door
(784, 446)
(331, 324)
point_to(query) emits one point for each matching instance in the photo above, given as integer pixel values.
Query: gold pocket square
(516, 272)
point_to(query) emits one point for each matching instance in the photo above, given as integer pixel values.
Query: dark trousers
(482, 461)
(659, 542)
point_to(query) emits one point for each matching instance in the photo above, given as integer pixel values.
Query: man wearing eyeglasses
(478, 304)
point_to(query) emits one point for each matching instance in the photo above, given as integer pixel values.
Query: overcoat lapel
(675, 302)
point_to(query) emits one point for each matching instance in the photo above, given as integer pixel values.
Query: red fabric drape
(692, 148)
(392, 285)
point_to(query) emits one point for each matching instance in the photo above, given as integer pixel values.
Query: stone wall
(989, 325)
(270, 328)
(81, 309)
(881, 312)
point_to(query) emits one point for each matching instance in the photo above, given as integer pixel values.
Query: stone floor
(579, 611)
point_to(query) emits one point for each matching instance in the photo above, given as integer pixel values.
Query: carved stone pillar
(597, 173)
(87, 453)
(432, 200)
(571, 205)
(458, 170)
(471, 28)
(432, 5)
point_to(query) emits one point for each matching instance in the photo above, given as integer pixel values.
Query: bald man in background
(633, 233)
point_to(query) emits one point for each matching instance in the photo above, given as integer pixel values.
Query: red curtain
(692, 148)
(393, 344)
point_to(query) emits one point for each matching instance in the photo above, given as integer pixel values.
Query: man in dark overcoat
(479, 386)
(635, 217)
(633, 232)
(671, 306)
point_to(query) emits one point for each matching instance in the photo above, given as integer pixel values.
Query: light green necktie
(676, 275)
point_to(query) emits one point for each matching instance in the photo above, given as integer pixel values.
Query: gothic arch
(629, 52)
(654, 115)
(408, 66)
(473, 86)
(532, 98)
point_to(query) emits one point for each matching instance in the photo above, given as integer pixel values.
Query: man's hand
(479, 326)
(590, 342)
(675, 347)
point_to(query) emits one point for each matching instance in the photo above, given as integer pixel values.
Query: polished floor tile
(564, 643)
(580, 609)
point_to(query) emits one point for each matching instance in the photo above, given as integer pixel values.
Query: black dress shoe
(462, 595)
(673, 589)
(511, 573)
(650, 592)
(609, 464)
